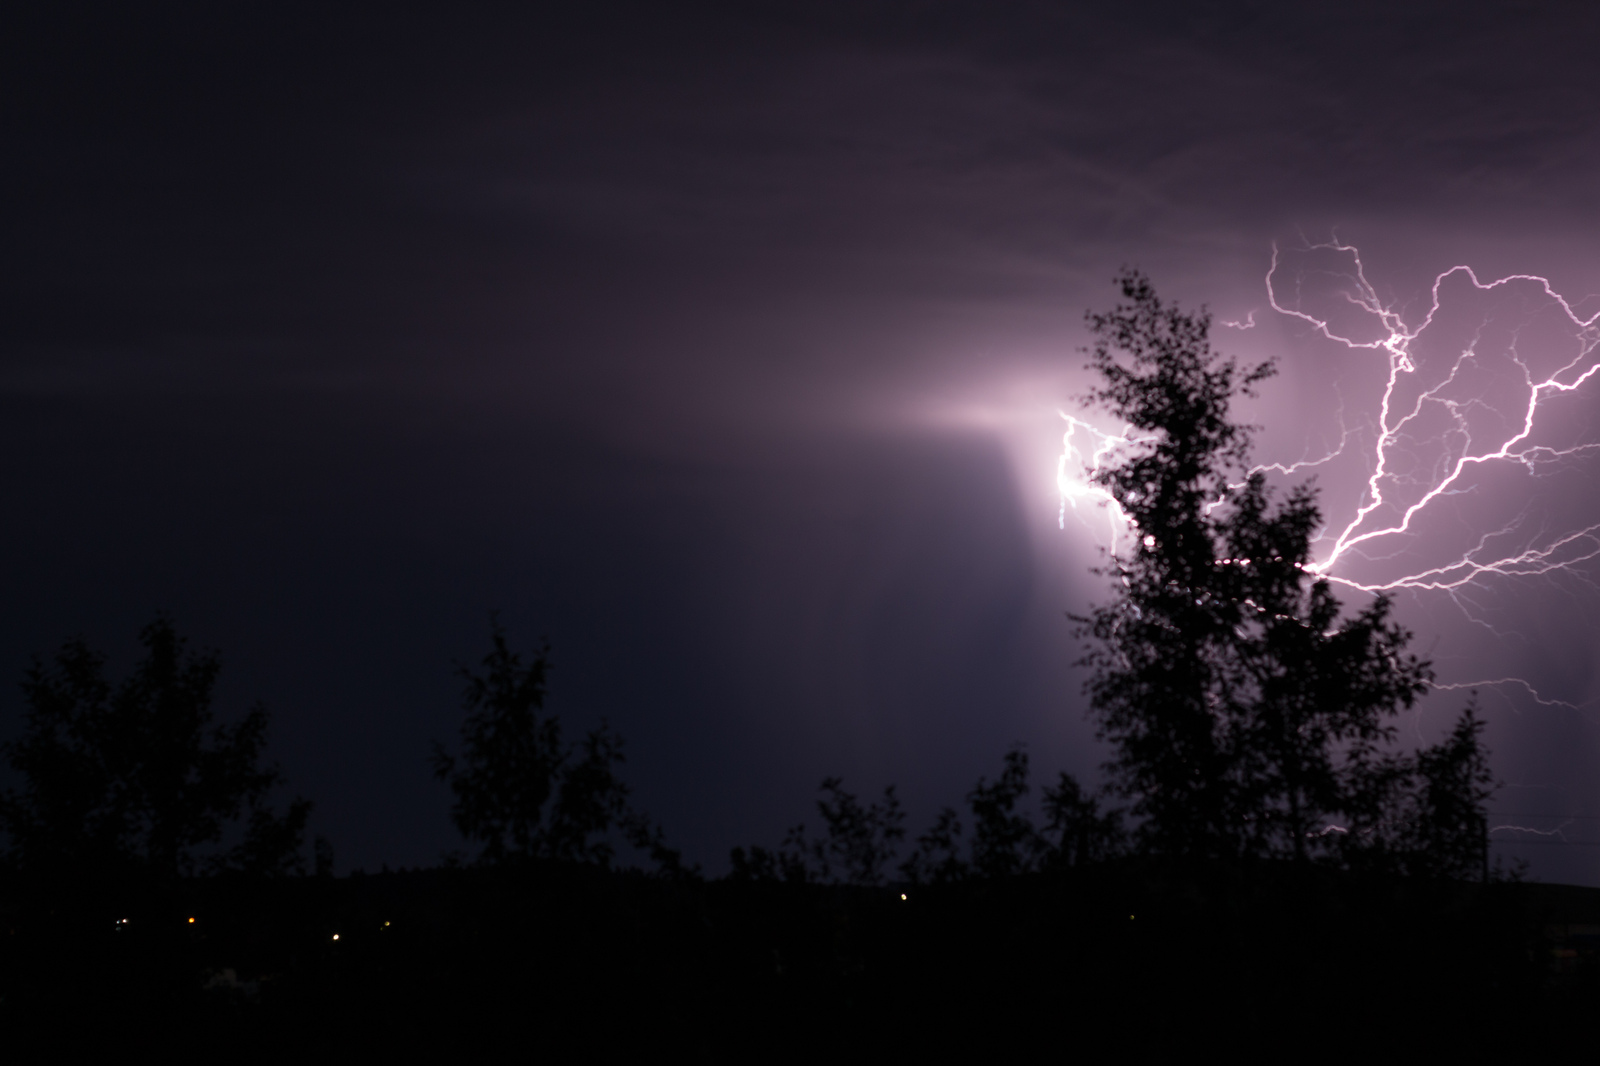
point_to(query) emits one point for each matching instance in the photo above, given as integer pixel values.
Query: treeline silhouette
(860, 841)
(1265, 868)
(154, 899)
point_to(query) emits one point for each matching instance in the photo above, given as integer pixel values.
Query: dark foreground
(579, 964)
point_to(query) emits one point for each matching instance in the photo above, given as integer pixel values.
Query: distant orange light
(191, 921)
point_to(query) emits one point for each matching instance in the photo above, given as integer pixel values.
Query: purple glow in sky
(731, 348)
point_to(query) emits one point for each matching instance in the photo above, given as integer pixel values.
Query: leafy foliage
(137, 776)
(510, 755)
(938, 855)
(1077, 832)
(861, 840)
(520, 792)
(1422, 814)
(1248, 716)
(1006, 841)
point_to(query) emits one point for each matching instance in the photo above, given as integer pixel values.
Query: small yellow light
(902, 895)
(336, 936)
(386, 925)
(191, 921)
(1130, 917)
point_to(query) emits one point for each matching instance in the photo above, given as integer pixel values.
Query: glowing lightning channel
(1399, 422)
(1515, 682)
(1430, 440)
(1557, 833)
(1445, 421)
(1077, 468)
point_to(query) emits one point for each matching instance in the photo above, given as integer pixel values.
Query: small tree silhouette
(520, 793)
(1451, 831)
(937, 857)
(137, 776)
(1005, 840)
(860, 842)
(1077, 832)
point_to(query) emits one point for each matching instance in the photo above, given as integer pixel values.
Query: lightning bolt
(1466, 405)
(1457, 417)
(1558, 833)
(1514, 682)
(1083, 449)
(1476, 394)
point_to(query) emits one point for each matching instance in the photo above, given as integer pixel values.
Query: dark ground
(580, 963)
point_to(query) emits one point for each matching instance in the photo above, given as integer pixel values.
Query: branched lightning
(1471, 400)
(1077, 470)
(1448, 415)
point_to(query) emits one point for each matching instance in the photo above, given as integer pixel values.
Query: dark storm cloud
(722, 344)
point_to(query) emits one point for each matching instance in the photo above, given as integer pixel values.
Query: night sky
(727, 346)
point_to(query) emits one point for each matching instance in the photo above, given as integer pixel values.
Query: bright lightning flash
(1480, 402)
(1083, 449)
(1461, 398)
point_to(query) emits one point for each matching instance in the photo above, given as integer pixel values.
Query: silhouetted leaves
(859, 843)
(520, 793)
(137, 776)
(510, 754)
(1247, 716)
(1004, 840)
(1077, 832)
(938, 856)
(1448, 823)
(860, 840)
(760, 864)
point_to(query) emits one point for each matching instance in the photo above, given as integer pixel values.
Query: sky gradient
(726, 346)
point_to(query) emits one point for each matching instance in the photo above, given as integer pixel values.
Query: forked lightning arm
(1366, 529)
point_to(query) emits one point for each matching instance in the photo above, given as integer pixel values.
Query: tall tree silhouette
(137, 776)
(1248, 715)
